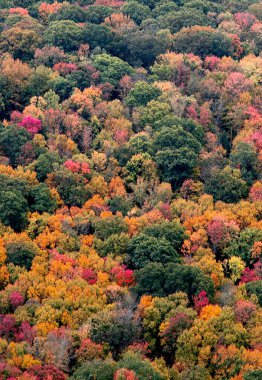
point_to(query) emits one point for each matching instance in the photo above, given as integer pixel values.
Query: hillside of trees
(130, 190)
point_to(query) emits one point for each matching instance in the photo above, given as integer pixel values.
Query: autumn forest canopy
(130, 190)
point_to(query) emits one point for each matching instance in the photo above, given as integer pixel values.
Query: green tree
(154, 112)
(13, 202)
(226, 185)
(140, 143)
(13, 209)
(65, 34)
(112, 68)
(69, 12)
(21, 253)
(142, 367)
(140, 165)
(45, 164)
(144, 46)
(151, 3)
(244, 157)
(120, 204)
(204, 5)
(173, 232)
(160, 280)
(70, 186)
(255, 287)
(97, 13)
(189, 280)
(138, 12)
(12, 139)
(96, 369)
(202, 42)
(164, 9)
(255, 374)
(62, 86)
(40, 199)
(256, 10)
(141, 94)
(118, 329)
(38, 83)
(175, 21)
(176, 154)
(175, 138)
(151, 280)
(144, 249)
(115, 245)
(189, 125)
(242, 246)
(102, 37)
(106, 227)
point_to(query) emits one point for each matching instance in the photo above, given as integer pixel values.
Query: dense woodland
(130, 190)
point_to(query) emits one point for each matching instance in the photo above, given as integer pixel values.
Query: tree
(244, 157)
(13, 202)
(70, 186)
(142, 367)
(21, 252)
(202, 41)
(12, 139)
(13, 210)
(97, 13)
(112, 68)
(175, 165)
(226, 185)
(144, 249)
(175, 21)
(65, 34)
(195, 372)
(138, 12)
(173, 232)
(236, 267)
(46, 371)
(176, 154)
(41, 199)
(255, 9)
(141, 94)
(175, 138)
(20, 42)
(123, 374)
(120, 204)
(49, 56)
(160, 280)
(171, 330)
(62, 86)
(154, 112)
(102, 37)
(188, 280)
(244, 310)
(118, 329)
(140, 166)
(255, 288)
(69, 12)
(243, 245)
(253, 374)
(151, 3)
(144, 46)
(151, 280)
(106, 227)
(204, 6)
(45, 164)
(96, 369)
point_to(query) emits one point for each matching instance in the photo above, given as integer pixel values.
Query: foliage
(130, 189)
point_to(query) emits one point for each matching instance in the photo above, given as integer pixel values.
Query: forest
(130, 190)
